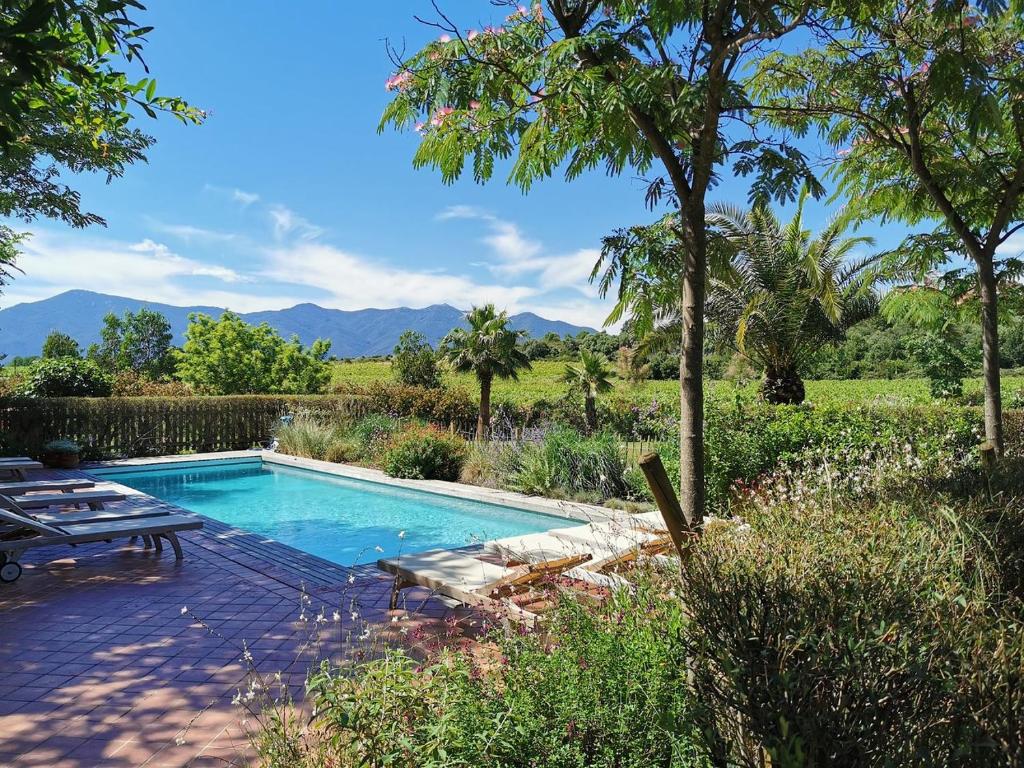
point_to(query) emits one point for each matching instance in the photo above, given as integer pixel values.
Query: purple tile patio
(100, 667)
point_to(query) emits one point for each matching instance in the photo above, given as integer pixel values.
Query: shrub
(415, 362)
(62, 446)
(425, 453)
(372, 433)
(441, 405)
(837, 627)
(567, 461)
(482, 465)
(744, 440)
(66, 377)
(342, 451)
(604, 689)
(134, 384)
(307, 436)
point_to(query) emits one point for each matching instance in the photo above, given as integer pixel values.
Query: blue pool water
(338, 519)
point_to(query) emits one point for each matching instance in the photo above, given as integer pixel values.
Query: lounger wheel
(10, 572)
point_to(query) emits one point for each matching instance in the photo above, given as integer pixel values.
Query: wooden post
(680, 529)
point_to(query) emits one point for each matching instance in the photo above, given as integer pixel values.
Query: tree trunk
(591, 410)
(990, 353)
(782, 387)
(483, 420)
(691, 368)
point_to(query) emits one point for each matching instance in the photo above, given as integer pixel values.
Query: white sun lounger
(35, 533)
(18, 465)
(44, 486)
(472, 581)
(95, 499)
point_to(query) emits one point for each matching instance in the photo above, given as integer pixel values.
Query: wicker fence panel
(152, 426)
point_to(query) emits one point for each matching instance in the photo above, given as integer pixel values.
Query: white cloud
(145, 270)
(288, 223)
(243, 197)
(291, 263)
(190, 233)
(356, 282)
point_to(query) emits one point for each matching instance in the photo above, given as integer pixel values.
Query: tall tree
(925, 104)
(414, 361)
(58, 344)
(228, 356)
(591, 377)
(67, 102)
(137, 341)
(626, 85)
(488, 349)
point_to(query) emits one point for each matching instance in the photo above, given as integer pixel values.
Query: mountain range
(355, 333)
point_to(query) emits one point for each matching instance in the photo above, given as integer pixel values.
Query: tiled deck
(100, 667)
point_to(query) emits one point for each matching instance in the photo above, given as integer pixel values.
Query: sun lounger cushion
(442, 567)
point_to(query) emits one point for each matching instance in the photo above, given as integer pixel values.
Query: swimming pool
(344, 520)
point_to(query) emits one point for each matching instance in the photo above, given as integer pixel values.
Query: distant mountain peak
(353, 333)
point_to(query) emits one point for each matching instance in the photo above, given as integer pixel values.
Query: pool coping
(569, 510)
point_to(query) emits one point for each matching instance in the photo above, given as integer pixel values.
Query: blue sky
(288, 193)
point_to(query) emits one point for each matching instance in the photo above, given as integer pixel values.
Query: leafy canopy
(228, 356)
(137, 341)
(924, 105)
(414, 361)
(591, 376)
(583, 85)
(58, 344)
(488, 348)
(67, 104)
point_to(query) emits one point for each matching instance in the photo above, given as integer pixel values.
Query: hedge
(120, 427)
(115, 427)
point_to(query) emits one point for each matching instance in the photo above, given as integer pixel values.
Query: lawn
(544, 382)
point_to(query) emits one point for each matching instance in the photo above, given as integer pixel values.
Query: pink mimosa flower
(472, 34)
(474, 104)
(420, 127)
(445, 38)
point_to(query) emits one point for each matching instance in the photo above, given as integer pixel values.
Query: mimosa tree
(649, 88)
(924, 104)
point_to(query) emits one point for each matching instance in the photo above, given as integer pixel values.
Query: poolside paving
(99, 666)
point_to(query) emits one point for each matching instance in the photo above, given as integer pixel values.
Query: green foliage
(66, 377)
(414, 361)
(425, 453)
(840, 625)
(372, 433)
(609, 693)
(442, 405)
(591, 377)
(943, 363)
(746, 440)
(229, 356)
(568, 463)
(68, 105)
(310, 436)
(137, 341)
(59, 344)
(62, 446)
(488, 349)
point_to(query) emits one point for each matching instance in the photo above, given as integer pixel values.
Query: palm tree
(591, 377)
(784, 294)
(488, 348)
